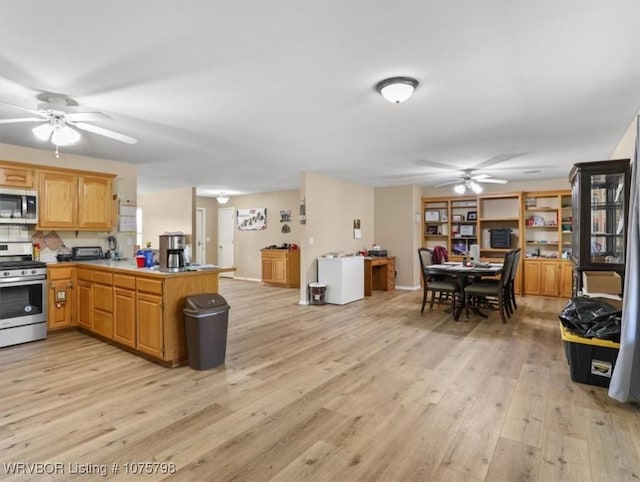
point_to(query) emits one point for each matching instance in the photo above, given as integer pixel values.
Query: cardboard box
(591, 360)
(601, 282)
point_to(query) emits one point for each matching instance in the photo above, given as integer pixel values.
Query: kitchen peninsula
(139, 309)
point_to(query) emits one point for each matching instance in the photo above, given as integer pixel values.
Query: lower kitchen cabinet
(85, 304)
(150, 338)
(566, 279)
(124, 310)
(60, 298)
(103, 304)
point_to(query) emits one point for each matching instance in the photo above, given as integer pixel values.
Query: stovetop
(5, 265)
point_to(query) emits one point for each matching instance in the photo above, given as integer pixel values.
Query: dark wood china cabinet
(600, 200)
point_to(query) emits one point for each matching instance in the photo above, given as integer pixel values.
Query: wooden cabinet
(85, 304)
(150, 337)
(74, 201)
(58, 200)
(95, 203)
(547, 278)
(124, 310)
(60, 297)
(281, 267)
(566, 279)
(16, 176)
(103, 304)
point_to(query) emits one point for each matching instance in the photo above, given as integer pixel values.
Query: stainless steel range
(23, 297)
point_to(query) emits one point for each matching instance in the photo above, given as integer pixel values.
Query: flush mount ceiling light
(397, 89)
(222, 198)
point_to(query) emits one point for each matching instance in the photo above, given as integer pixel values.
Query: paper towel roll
(474, 252)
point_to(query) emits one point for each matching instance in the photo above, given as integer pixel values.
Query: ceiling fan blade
(23, 119)
(450, 183)
(31, 111)
(86, 116)
(436, 165)
(495, 160)
(104, 132)
(492, 181)
(480, 176)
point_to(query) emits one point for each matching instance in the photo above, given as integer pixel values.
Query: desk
(462, 273)
(379, 274)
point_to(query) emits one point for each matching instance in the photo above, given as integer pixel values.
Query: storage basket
(500, 238)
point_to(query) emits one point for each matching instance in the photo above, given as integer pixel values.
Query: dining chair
(434, 286)
(511, 285)
(486, 290)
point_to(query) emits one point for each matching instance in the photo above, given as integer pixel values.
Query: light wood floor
(367, 391)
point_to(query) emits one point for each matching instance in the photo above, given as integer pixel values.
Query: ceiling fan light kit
(60, 121)
(397, 89)
(222, 198)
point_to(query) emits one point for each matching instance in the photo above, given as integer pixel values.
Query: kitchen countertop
(129, 265)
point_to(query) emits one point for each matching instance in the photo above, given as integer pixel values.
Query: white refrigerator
(344, 278)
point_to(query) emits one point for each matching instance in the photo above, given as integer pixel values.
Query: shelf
(463, 222)
(548, 210)
(537, 243)
(464, 237)
(500, 220)
(436, 235)
(554, 227)
(496, 250)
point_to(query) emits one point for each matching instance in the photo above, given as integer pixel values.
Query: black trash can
(206, 319)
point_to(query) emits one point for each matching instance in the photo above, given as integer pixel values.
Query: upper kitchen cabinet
(75, 201)
(600, 199)
(16, 176)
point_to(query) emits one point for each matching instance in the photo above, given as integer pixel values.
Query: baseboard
(410, 288)
(303, 302)
(241, 278)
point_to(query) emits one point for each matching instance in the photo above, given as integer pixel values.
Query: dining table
(463, 272)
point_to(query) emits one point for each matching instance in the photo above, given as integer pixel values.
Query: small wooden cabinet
(281, 267)
(103, 304)
(149, 306)
(60, 297)
(16, 176)
(124, 310)
(75, 201)
(547, 278)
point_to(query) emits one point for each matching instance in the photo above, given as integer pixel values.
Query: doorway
(226, 233)
(201, 229)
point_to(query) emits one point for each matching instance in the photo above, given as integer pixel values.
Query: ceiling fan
(466, 179)
(59, 121)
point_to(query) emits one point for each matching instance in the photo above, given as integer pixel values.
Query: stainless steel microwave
(18, 206)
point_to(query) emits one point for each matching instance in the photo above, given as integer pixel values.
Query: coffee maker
(172, 252)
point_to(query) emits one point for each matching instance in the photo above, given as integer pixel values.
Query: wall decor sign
(285, 216)
(252, 219)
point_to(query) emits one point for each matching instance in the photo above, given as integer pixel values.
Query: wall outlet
(311, 240)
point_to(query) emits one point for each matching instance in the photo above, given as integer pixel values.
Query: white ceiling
(243, 96)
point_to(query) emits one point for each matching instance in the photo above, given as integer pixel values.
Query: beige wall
(210, 206)
(249, 243)
(331, 207)
(397, 231)
(125, 186)
(626, 147)
(172, 210)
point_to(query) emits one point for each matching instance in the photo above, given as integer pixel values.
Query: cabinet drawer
(103, 278)
(149, 285)
(85, 274)
(122, 281)
(103, 297)
(60, 273)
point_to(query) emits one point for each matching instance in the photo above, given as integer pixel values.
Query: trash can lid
(206, 303)
(317, 285)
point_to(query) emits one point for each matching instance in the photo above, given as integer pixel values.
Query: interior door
(201, 253)
(226, 233)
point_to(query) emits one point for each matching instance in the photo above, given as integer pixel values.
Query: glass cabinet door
(607, 215)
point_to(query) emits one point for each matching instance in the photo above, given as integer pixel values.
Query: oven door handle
(21, 281)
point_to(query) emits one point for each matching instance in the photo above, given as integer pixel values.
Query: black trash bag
(592, 318)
